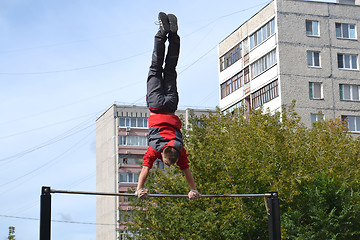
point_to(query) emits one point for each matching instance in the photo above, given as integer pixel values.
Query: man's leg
(155, 88)
(170, 75)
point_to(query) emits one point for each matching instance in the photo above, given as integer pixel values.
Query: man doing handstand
(165, 138)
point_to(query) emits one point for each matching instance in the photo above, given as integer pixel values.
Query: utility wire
(45, 144)
(192, 64)
(49, 162)
(91, 39)
(74, 69)
(53, 109)
(36, 203)
(46, 126)
(224, 16)
(59, 221)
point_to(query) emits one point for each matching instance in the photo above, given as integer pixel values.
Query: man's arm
(150, 156)
(143, 176)
(193, 194)
(141, 192)
(189, 178)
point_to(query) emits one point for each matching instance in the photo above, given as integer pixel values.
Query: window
(312, 28)
(353, 123)
(313, 59)
(344, 30)
(262, 34)
(128, 177)
(133, 122)
(246, 59)
(264, 63)
(316, 90)
(232, 85)
(349, 92)
(126, 159)
(246, 75)
(231, 57)
(265, 94)
(234, 107)
(133, 140)
(316, 117)
(347, 61)
(235, 83)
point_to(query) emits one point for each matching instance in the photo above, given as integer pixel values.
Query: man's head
(170, 155)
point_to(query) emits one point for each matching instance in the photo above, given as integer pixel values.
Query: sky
(62, 64)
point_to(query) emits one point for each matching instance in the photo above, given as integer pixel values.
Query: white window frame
(312, 61)
(353, 91)
(312, 91)
(353, 123)
(265, 94)
(314, 28)
(130, 177)
(262, 34)
(264, 63)
(350, 58)
(134, 122)
(340, 31)
(130, 140)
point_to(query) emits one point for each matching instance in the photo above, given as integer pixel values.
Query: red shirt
(164, 130)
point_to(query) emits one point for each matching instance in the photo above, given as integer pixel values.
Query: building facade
(295, 50)
(121, 142)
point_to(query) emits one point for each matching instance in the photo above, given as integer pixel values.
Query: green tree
(230, 154)
(324, 210)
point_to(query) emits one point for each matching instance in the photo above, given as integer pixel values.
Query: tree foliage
(11, 235)
(315, 171)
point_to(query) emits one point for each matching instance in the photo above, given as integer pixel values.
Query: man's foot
(164, 23)
(173, 23)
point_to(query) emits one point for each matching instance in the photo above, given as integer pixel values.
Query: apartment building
(299, 50)
(121, 142)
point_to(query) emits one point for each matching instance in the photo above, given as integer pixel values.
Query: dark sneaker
(173, 23)
(164, 23)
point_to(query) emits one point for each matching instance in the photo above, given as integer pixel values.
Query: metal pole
(274, 217)
(45, 214)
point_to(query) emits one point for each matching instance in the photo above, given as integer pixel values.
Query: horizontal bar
(161, 195)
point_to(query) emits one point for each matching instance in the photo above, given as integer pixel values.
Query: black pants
(162, 95)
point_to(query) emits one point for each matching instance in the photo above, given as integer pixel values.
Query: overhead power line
(74, 69)
(45, 126)
(226, 15)
(59, 221)
(49, 163)
(51, 141)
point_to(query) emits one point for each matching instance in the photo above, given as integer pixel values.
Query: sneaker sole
(164, 23)
(173, 23)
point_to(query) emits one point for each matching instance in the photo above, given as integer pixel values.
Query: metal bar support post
(45, 214)
(274, 216)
